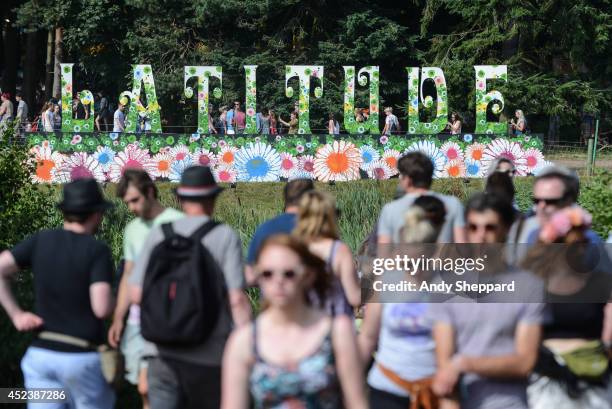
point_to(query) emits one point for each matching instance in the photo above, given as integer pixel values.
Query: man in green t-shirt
(139, 193)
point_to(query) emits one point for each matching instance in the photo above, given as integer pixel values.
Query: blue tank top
(312, 384)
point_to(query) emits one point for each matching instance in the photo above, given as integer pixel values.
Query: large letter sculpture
(435, 74)
(484, 98)
(142, 74)
(69, 124)
(250, 80)
(304, 72)
(351, 125)
(203, 75)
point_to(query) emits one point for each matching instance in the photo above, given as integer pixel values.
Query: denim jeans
(177, 385)
(79, 373)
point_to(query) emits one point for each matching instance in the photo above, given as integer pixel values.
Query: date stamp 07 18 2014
(33, 395)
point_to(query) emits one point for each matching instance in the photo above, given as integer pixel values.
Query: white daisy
(430, 149)
(177, 168)
(258, 162)
(380, 170)
(79, 165)
(225, 174)
(503, 148)
(369, 156)
(289, 164)
(162, 161)
(390, 158)
(105, 157)
(452, 151)
(204, 157)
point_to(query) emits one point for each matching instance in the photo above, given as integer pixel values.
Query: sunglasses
(288, 275)
(547, 202)
(488, 227)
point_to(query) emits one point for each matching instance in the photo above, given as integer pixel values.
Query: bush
(23, 210)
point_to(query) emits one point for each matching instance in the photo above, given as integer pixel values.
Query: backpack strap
(168, 230)
(204, 229)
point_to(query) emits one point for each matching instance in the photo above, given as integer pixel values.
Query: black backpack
(183, 290)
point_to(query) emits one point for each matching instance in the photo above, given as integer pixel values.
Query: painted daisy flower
(468, 137)
(306, 165)
(289, 164)
(47, 162)
(179, 152)
(225, 174)
(384, 139)
(454, 169)
(473, 169)
(79, 165)
(390, 158)
(258, 162)
(76, 139)
(474, 152)
(534, 159)
(299, 148)
(433, 153)
(131, 157)
(339, 162)
(162, 165)
(380, 170)
(227, 155)
(222, 143)
(503, 148)
(204, 157)
(452, 151)
(177, 168)
(105, 156)
(369, 156)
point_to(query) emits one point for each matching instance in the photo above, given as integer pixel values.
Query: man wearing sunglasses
(555, 188)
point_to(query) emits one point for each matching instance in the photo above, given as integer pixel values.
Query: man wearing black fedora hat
(182, 377)
(72, 286)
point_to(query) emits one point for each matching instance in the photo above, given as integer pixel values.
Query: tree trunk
(553, 130)
(11, 59)
(49, 67)
(30, 71)
(59, 51)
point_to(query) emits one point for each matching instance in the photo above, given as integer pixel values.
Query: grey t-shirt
(118, 121)
(483, 329)
(392, 216)
(224, 245)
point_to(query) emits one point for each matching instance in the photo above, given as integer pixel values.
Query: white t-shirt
(118, 121)
(392, 123)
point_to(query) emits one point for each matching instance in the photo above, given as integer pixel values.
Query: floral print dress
(311, 384)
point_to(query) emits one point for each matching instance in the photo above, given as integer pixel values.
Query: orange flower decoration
(338, 162)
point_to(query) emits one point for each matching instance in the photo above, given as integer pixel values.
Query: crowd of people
(229, 120)
(184, 323)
